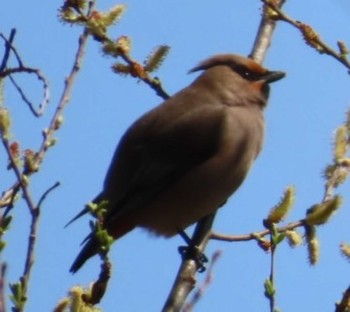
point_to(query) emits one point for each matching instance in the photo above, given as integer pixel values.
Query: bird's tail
(90, 249)
(116, 228)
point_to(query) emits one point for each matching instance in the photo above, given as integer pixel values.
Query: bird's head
(258, 77)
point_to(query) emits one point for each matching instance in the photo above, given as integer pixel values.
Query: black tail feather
(90, 249)
(80, 214)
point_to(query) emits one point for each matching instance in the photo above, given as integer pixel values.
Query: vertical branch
(69, 82)
(264, 36)
(185, 281)
(272, 277)
(39, 158)
(20, 289)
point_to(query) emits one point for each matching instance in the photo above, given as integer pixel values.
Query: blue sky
(304, 110)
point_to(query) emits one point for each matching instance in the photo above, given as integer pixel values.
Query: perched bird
(182, 160)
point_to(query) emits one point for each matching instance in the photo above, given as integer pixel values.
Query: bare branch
(44, 195)
(8, 47)
(65, 97)
(256, 235)
(23, 174)
(310, 36)
(264, 36)
(207, 282)
(185, 280)
(4, 72)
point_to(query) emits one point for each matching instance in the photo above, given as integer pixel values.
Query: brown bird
(182, 160)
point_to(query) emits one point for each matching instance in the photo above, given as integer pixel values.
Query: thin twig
(40, 156)
(44, 195)
(272, 297)
(154, 83)
(46, 98)
(22, 179)
(2, 287)
(255, 235)
(310, 36)
(8, 46)
(24, 69)
(23, 185)
(64, 99)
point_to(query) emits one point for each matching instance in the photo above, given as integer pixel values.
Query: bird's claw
(192, 252)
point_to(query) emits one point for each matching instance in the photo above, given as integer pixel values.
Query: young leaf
(280, 211)
(156, 58)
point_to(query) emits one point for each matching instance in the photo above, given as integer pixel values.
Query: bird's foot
(192, 252)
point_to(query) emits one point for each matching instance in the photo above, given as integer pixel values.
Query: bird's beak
(272, 76)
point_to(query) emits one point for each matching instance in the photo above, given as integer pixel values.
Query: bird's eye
(246, 73)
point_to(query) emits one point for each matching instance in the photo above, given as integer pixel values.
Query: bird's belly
(194, 196)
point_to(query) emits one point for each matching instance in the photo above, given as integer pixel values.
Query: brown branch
(8, 47)
(185, 279)
(34, 211)
(23, 176)
(263, 39)
(40, 156)
(46, 97)
(4, 72)
(65, 97)
(207, 281)
(22, 179)
(256, 235)
(310, 36)
(46, 193)
(154, 83)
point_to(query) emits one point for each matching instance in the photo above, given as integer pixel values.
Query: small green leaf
(17, 297)
(269, 289)
(276, 239)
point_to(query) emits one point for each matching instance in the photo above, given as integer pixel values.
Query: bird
(183, 159)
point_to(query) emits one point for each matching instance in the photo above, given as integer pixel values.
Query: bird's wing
(159, 149)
